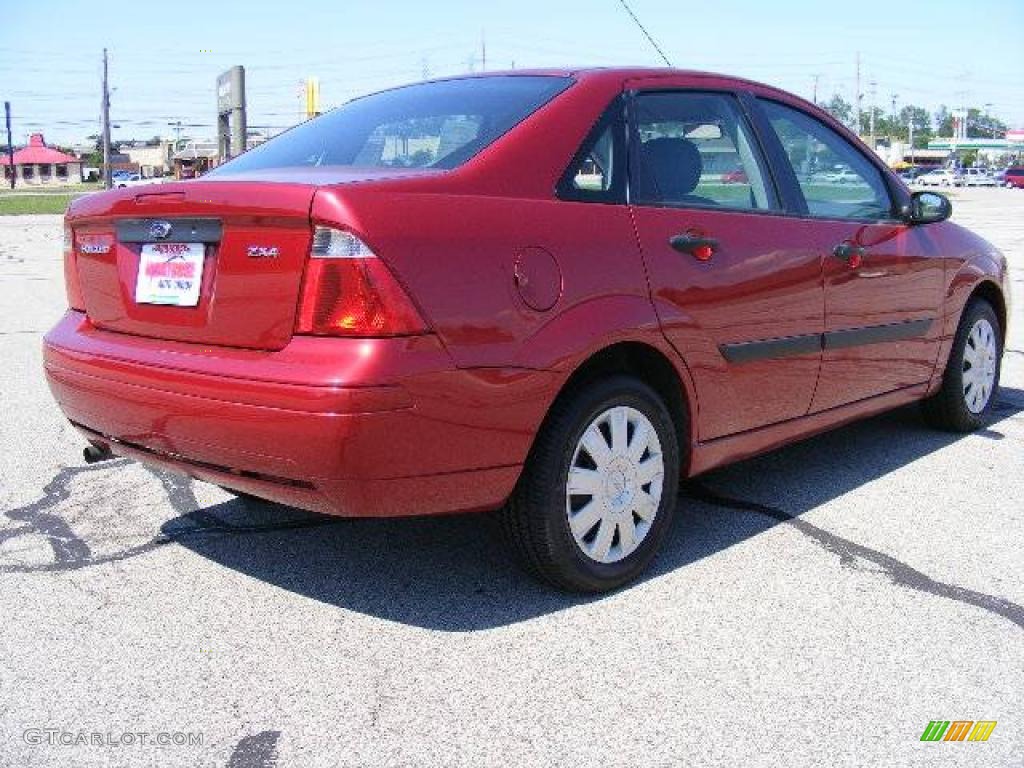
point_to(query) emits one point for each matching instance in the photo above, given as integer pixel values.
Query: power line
(646, 33)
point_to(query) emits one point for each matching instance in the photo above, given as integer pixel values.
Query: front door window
(836, 180)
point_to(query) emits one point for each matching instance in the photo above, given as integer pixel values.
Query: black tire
(535, 521)
(947, 409)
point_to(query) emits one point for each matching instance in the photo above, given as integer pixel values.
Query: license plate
(170, 273)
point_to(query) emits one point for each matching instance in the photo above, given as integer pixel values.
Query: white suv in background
(977, 177)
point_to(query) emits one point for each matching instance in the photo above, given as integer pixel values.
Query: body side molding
(765, 349)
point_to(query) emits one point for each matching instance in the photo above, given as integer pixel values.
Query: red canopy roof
(38, 153)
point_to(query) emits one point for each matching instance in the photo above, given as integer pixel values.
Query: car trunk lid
(205, 262)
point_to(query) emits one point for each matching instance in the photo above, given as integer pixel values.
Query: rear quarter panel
(456, 256)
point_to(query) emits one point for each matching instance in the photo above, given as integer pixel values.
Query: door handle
(701, 248)
(849, 252)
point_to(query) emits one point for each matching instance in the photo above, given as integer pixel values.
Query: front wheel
(598, 492)
(971, 380)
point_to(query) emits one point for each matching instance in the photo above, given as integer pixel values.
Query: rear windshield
(428, 125)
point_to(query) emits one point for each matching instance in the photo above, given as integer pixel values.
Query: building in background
(194, 159)
(991, 151)
(38, 164)
(150, 159)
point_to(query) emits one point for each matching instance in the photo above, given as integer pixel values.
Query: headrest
(672, 165)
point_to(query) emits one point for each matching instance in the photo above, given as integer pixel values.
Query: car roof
(613, 74)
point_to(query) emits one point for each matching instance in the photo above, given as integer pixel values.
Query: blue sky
(165, 57)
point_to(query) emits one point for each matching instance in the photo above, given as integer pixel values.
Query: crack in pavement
(849, 552)
(72, 553)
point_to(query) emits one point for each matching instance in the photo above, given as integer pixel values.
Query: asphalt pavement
(816, 606)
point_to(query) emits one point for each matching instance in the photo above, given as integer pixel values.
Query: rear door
(737, 291)
(883, 278)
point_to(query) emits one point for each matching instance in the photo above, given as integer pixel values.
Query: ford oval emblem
(160, 230)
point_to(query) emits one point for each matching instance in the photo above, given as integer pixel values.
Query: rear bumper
(349, 427)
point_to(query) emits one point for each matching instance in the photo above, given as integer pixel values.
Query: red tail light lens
(71, 282)
(348, 291)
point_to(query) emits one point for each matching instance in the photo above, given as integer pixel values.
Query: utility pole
(106, 126)
(10, 142)
(857, 98)
(814, 97)
(871, 117)
(910, 137)
(483, 52)
(895, 135)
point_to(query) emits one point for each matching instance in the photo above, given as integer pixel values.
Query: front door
(883, 290)
(738, 293)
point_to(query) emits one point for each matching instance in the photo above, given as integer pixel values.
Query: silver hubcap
(979, 366)
(614, 484)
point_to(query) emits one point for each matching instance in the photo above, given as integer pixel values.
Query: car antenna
(646, 33)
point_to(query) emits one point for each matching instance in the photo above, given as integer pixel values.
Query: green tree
(94, 158)
(922, 122)
(980, 125)
(983, 125)
(884, 125)
(840, 109)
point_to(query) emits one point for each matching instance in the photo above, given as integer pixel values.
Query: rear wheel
(971, 380)
(599, 489)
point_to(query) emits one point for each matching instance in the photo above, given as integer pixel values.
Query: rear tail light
(348, 291)
(71, 282)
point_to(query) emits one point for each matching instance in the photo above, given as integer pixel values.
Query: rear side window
(1015, 172)
(694, 149)
(836, 180)
(597, 172)
(428, 125)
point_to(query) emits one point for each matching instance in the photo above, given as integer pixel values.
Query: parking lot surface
(815, 606)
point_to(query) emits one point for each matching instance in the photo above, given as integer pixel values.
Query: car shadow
(453, 574)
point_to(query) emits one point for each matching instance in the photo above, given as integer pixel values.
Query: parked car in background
(1014, 177)
(133, 180)
(355, 322)
(940, 177)
(909, 175)
(737, 176)
(977, 177)
(999, 174)
(840, 176)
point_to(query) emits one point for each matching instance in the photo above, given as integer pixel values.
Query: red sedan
(530, 291)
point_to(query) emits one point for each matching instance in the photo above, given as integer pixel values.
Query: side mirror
(927, 208)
